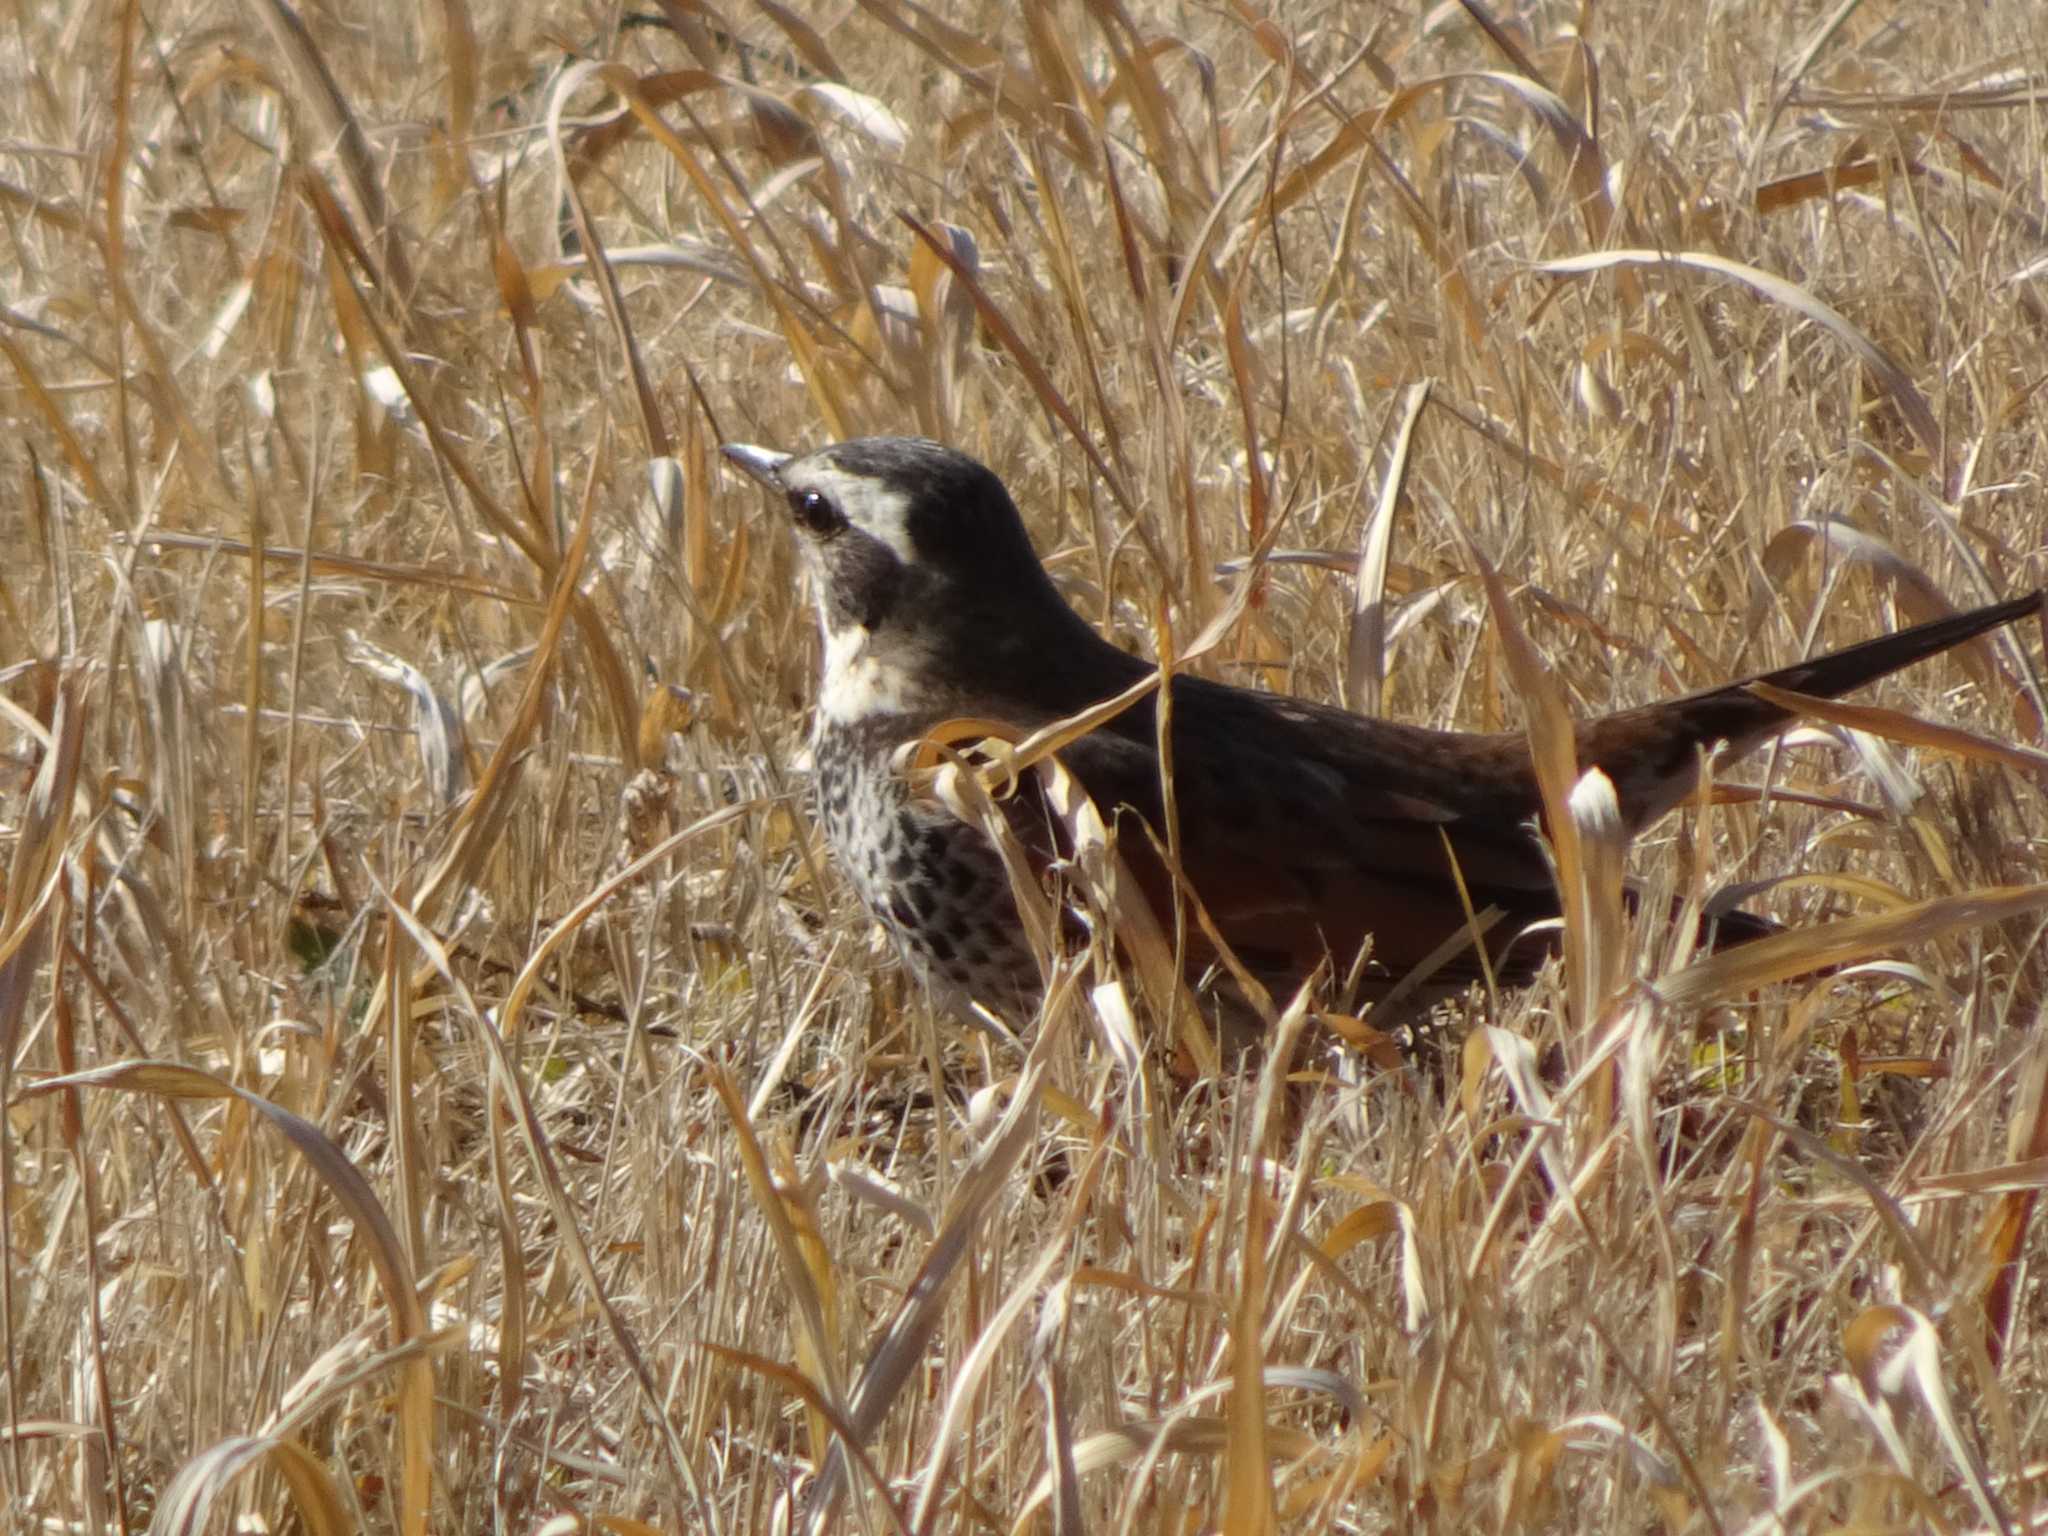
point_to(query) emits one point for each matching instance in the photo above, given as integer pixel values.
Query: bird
(1306, 831)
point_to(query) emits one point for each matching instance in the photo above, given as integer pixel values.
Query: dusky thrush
(1305, 831)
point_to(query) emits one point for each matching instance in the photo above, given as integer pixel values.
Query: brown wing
(1306, 829)
(1302, 841)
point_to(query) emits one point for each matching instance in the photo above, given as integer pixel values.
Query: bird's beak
(764, 464)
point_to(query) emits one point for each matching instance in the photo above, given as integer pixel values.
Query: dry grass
(422, 1160)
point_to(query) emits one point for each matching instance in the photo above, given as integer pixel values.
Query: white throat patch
(858, 683)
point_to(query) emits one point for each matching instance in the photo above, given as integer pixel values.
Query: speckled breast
(932, 881)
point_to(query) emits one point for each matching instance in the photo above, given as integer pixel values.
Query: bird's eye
(814, 513)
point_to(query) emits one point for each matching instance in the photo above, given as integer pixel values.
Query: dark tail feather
(1839, 671)
(1650, 753)
(1727, 929)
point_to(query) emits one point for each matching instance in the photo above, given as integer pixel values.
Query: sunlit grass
(450, 1087)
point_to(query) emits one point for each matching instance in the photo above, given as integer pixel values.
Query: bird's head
(929, 595)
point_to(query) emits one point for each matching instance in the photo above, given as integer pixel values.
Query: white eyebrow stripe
(875, 508)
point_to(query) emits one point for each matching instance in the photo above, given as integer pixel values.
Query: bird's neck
(1021, 668)
(863, 680)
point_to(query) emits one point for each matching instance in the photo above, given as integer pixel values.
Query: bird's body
(1305, 831)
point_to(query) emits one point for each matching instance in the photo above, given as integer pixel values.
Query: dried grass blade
(1052, 1374)
(1198, 270)
(360, 320)
(437, 724)
(1891, 377)
(817, 1333)
(1790, 191)
(654, 431)
(1026, 359)
(475, 832)
(958, 50)
(1795, 73)
(1553, 748)
(1111, 890)
(332, 564)
(962, 1398)
(252, 658)
(1166, 153)
(1883, 1369)
(1516, 1060)
(453, 172)
(358, 1200)
(1587, 166)
(2003, 1239)
(902, 1344)
(1505, 440)
(868, 114)
(37, 868)
(188, 1504)
(1800, 952)
(1351, 137)
(511, 1096)
(339, 129)
(1147, 1441)
(60, 427)
(1451, 263)
(803, 345)
(1365, 652)
(163, 392)
(1918, 594)
(1895, 725)
(1248, 1492)
(1246, 380)
(62, 217)
(805, 1390)
(803, 37)
(35, 877)
(1247, 1463)
(1603, 841)
(1060, 74)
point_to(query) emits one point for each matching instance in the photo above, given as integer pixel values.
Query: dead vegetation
(448, 1088)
